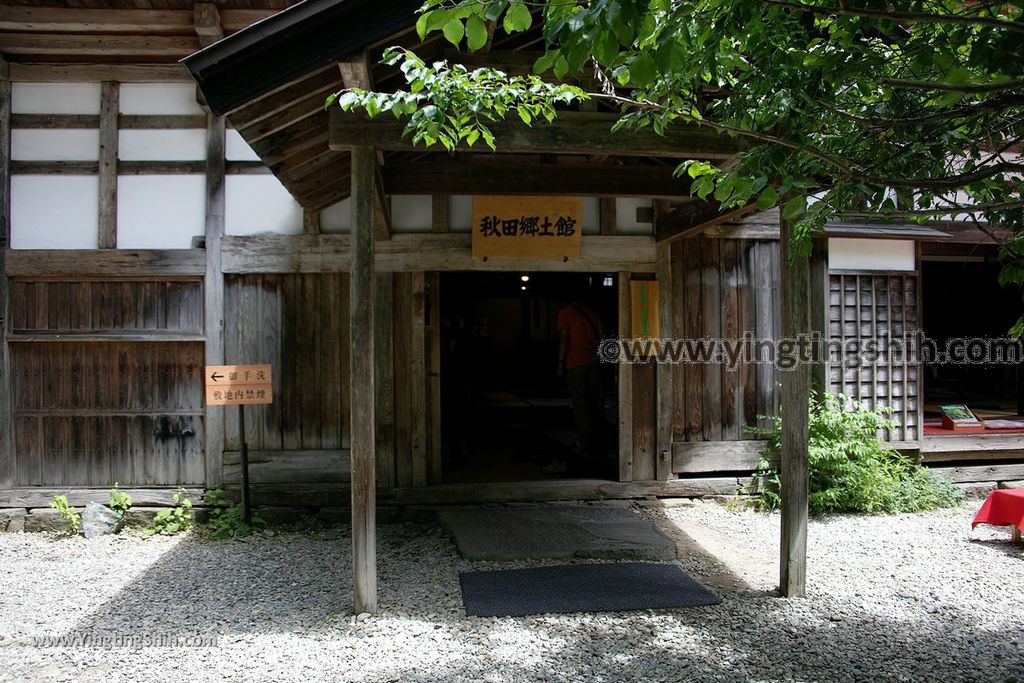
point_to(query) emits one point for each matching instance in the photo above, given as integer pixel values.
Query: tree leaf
(517, 18)
(476, 33)
(453, 31)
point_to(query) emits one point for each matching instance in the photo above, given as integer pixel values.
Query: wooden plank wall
(107, 382)
(723, 288)
(299, 324)
(869, 308)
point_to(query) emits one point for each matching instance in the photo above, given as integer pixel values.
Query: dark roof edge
(292, 42)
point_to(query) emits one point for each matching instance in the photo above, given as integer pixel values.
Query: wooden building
(152, 227)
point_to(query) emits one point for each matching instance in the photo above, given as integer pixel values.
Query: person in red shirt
(579, 333)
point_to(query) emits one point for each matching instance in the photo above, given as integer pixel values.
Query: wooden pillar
(795, 320)
(6, 396)
(213, 290)
(663, 439)
(625, 373)
(363, 286)
(109, 106)
(819, 311)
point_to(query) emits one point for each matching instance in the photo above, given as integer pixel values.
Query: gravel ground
(914, 597)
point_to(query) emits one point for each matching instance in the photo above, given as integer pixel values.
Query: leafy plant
(119, 501)
(850, 469)
(169, 521)
(224, 518)
(67, 513)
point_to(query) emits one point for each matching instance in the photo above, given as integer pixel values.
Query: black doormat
(606, 587)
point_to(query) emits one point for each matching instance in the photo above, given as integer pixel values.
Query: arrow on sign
(215, 376)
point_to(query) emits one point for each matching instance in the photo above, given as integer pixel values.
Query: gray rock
(99, 520)
(12, 519)
(46, 519)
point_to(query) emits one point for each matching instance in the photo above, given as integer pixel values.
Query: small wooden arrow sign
(238, 384)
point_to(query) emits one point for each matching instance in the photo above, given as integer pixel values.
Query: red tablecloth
(1002, 507)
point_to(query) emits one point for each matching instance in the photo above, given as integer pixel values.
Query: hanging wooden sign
(526, 227)
(644, 307)
(238, 385)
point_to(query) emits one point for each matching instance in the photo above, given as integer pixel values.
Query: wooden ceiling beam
(569, 133)
(206, 19)
(310, 105)
(693, 218)
(122, 73)
(25, 18)
(56, 44)
(322, 81)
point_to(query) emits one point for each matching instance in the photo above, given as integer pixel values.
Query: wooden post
(363, 286)
(625, 373)
(819, 311)
(109, 97)
(213, 291)
(663, 438)
(795, 320)
(6, 396)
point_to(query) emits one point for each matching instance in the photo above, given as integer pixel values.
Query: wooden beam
(6, 395)
(75, 20)
(440, 213)
(691, 457)
(517, 177)
(412, 252)
(569, 133)
(97, 45)
(122, 73)
(124, 121)
(795, 321)
(213, 291)
(206, 18)
(663, 396)
(109, 98)
(608, 216)
(694, 217)
(625, 380)
(105, 263)
(310, 222)
(362, 291)
(133, 167)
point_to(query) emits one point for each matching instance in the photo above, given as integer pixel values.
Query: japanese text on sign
(238, 384)
(527, 227)
(644, 295)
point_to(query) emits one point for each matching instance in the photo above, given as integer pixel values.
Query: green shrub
(224, 519)
(67, 513)
(850, 469)
(119, 501)
(169, 521)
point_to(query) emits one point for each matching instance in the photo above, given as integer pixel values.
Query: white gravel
(908, 598)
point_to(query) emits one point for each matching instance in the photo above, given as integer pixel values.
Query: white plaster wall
(337, 218)
(55, 98)
(625, 217)
(848, 253)
(460, 213)
(259, 203)
(29, 144)
(161, 145)
(591, 216)
(158, 98)
(236, 148)
(54, 212)
(411, 213)
(160, 211)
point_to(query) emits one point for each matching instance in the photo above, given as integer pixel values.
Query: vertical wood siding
(105, 410)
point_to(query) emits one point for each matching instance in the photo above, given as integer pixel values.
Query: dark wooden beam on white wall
(361, 307)
(87, 72)
(109, 108)
(795, 307)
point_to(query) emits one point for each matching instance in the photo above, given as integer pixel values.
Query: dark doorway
(506, 414)
(964, 300)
